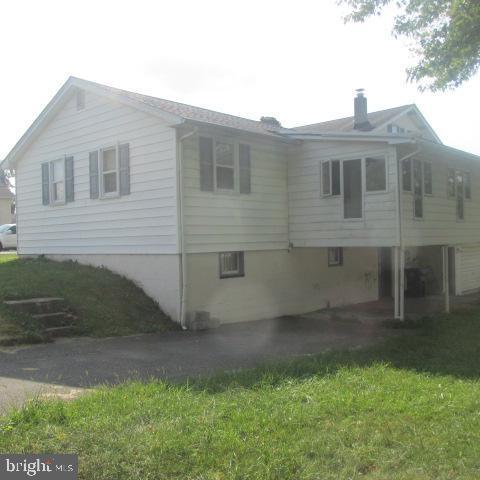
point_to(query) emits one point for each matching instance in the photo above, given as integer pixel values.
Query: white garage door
(468, 268)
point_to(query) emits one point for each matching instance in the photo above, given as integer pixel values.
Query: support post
(446, 279)
(399, 282)
(402, 282)
(396, 310)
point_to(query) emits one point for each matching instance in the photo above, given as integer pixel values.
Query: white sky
(295, 60)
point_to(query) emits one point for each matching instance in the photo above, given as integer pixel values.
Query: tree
(445, 34)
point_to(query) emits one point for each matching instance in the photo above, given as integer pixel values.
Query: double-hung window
(225, 169)
(225, 166)
(109, 171)
(57, 181)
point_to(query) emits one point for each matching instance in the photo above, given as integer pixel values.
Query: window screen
(375, 171)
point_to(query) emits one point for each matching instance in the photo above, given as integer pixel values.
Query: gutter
(181, 229)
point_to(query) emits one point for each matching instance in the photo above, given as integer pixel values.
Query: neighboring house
(6, 203)
(246, 219)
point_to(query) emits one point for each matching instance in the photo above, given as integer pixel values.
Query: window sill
(109, 196)
(376, 192)
(57, 204)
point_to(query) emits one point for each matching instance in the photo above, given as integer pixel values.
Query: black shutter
(244, 167)
(94, 185)
(124, 165)
(69, 181)
(206, 164)
(45, 184)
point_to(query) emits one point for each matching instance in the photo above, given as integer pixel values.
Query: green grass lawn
(106, 304)
(405, 409)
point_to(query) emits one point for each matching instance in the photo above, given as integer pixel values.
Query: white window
(468, 185)
(335, 256)
(407, 175)
(57, 181)
(451, 183)
(375, 174)
(109, 171)
(427, 178)
(231, 264)
(417, 189)
(225, 166)
(330, 173)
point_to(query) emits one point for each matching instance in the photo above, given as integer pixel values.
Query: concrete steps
(55, 318)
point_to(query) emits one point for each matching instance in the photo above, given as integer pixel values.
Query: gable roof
(176, 113)
(184, 111)
(345, 124)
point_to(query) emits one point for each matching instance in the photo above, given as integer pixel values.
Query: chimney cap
(360, 92)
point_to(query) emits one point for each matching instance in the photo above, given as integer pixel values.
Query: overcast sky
(295, 60)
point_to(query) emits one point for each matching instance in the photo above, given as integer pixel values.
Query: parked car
(8, 236)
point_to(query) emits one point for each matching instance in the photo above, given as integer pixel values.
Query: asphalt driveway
(68, 366)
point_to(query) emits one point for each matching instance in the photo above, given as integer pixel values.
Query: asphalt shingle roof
(345, 125)
(192, 113)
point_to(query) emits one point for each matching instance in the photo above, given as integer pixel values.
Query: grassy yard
(106, 304)
(406, 409)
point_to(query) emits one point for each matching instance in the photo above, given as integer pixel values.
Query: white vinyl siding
(143, 222)
(467, 262)
(440, 224)
(317, 220)
(233, 221)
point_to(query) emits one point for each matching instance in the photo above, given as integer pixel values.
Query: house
(245, 219)
(6, 202)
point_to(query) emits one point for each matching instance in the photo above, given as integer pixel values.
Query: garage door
(468, 268)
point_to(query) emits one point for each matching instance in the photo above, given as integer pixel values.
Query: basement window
(231, 264)
(335, 256)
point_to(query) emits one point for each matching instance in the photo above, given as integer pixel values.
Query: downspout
(181, 230)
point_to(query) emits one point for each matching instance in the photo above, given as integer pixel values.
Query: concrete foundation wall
(157, 275)
(278, 282)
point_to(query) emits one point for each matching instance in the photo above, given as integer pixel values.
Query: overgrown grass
(406, 409)
(106, 303)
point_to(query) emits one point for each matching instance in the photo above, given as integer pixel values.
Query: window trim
(236, 173)
(422, 185)
(232, 274)
(466, 174)
(235, 168)
(338, 263)
(410, 191)
(375, 157)
(51, 182)
(101, 172)
(424, 162)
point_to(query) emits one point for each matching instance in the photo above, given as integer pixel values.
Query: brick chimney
(360, 116)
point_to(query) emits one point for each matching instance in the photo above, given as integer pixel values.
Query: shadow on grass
(445, 345)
